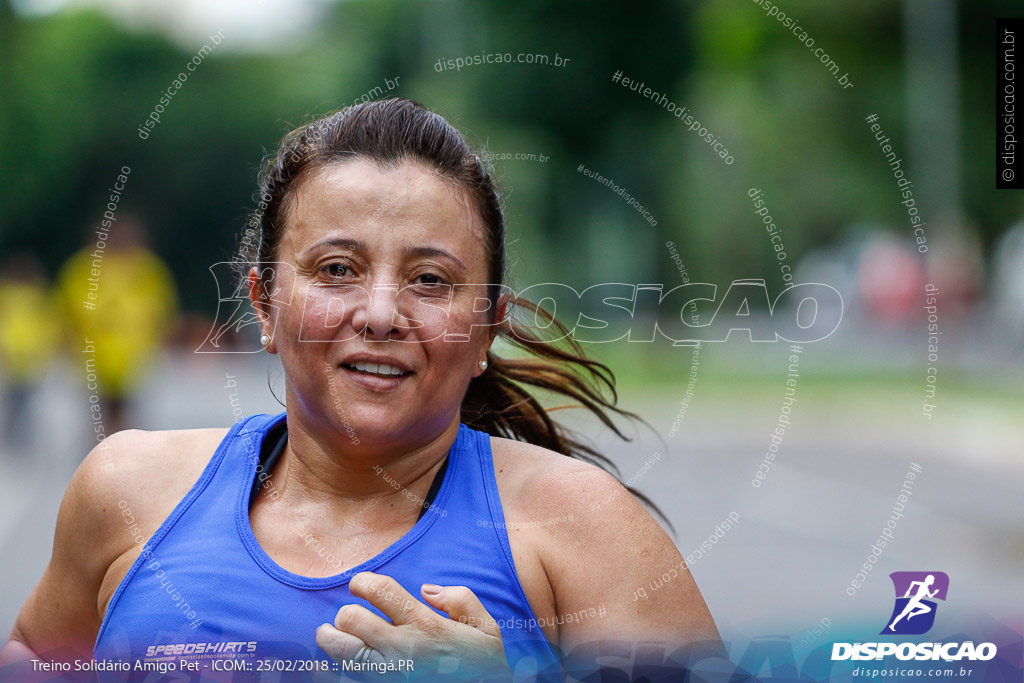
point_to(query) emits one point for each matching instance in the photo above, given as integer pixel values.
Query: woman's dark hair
(498, 402)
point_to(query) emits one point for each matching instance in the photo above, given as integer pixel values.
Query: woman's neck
(328, 469)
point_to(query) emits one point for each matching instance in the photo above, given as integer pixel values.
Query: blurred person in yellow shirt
(29, 335)
(120, 301)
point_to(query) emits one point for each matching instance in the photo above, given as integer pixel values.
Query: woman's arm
(612, 567)
(128, 483)
(61, 613)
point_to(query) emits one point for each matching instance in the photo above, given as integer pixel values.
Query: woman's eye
(336, 270)
(430, 279)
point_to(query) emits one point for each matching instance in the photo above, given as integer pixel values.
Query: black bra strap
(435, 486)
(270, 452)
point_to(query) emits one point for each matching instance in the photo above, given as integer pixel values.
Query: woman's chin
(369, 426)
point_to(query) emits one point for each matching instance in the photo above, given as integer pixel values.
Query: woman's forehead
(401, 206)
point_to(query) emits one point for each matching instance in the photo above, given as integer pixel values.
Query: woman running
(415, 506)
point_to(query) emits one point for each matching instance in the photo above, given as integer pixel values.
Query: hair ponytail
(498, 401)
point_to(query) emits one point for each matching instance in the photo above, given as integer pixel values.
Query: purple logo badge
(916, 592)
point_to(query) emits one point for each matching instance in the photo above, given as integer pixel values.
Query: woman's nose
(377, 318)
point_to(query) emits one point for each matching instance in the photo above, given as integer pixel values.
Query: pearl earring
(265, 340)
(483, 365)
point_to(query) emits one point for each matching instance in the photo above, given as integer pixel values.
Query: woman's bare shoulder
(142, 470)
(597, 545)
(542, 484)
(523, 456)
(128, 483)
(134, 457)
(575, 507)
(527, 464)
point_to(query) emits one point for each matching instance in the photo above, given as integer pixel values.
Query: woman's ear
(257, 294)
(501, 311)
(258, 297)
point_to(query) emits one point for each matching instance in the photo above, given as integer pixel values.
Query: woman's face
(384, 274)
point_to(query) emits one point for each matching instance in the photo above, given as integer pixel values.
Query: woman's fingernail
(431, 588)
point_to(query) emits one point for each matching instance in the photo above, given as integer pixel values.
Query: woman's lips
(374, 381)
(376, 368)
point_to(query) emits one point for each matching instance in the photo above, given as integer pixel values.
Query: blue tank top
(203, 589)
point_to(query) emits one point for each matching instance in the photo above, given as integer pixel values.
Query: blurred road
(802, 537)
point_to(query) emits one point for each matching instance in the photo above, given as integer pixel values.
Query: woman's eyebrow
(434, 251)
(343, 242)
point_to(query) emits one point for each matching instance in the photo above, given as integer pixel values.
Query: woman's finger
(367, 627)
(337, 644)
(387, 595)
(461, 604)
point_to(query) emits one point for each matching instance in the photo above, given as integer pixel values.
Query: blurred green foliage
(76, 85)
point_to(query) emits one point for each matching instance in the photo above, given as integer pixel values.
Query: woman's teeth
(382, 369)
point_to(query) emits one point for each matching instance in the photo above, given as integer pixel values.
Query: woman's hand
(466, 645)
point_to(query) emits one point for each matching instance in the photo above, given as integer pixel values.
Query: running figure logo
(916, 593)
